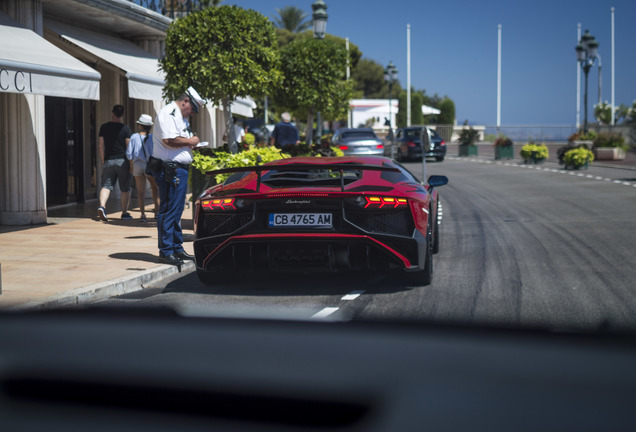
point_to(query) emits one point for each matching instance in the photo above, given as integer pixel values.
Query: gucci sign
(15, 81)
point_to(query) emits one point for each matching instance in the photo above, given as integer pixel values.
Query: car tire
(435, 248)
(439, 158)
(425, 276)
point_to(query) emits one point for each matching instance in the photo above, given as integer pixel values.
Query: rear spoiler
(258, 169)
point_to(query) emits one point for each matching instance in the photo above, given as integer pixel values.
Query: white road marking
(325, 312)
(353, 295)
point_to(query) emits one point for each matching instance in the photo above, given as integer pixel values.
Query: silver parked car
(359, 141)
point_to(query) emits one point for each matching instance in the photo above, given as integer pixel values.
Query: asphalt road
(521, 245)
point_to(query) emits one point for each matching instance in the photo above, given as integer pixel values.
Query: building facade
(63, 65)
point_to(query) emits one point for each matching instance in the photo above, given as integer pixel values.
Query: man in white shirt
(239, 132)
(173, 142)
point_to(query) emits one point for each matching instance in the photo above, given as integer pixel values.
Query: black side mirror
(437, 180)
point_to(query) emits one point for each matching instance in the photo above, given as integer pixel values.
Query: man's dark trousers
(171, 206)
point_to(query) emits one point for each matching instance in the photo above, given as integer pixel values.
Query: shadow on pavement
(283, 284)
(136, 256)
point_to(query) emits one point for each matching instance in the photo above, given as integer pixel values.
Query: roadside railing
(536, 133)
(518, 133)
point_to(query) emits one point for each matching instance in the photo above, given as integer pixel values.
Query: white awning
(427, 110)
(31, 64)
(145, 80)
(243, 106)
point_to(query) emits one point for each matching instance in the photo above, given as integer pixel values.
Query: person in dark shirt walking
(285, 134)
(114, 137)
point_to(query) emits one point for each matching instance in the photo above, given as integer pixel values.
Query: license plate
(316, 220)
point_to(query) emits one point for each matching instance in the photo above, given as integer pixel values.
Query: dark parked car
(408, 145)
(358, 142)
(261, 133)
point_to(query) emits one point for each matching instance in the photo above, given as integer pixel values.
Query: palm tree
(293, 19)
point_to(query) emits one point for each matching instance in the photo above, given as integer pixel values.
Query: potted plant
(467, 139)
(503, 148)
(609, 146)
(578, 157)
(534, 153)
(582, 138)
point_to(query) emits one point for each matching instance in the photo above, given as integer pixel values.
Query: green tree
(285, 37)
(447, 115)
(622, 113)
(314, 79)
(417, 100)
(603, 113)
(369, 82)
(224, 52)
(292, 19)
(368, 79)
(400, 117)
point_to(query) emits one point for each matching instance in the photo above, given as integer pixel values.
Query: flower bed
(534, 153)
(577, 158)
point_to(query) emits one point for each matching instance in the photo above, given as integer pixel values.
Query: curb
(104, 290)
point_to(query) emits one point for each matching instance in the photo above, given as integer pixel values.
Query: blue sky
(454, 51)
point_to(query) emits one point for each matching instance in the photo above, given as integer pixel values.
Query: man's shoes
(126, 216)
(101, 214)
(170, 259)
(143, 218)
(184, 255)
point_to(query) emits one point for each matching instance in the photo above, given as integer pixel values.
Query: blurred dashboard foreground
(154, 371)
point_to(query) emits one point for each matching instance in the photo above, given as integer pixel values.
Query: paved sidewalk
(77, 259)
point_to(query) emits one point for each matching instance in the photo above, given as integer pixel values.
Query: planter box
(609, 153)
(533, 160)
(506, 152)
(576, 167)
(467, 150)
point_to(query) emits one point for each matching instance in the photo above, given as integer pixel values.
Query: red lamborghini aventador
(318, 214)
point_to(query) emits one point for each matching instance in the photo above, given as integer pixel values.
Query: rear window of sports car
(396, 176)
(312, 178)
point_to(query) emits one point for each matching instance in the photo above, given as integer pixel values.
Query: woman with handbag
(139, 152)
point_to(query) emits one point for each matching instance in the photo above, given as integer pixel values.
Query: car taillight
(380, 146)
(344, 147)
(443, 143)
(218, 204)
(380, 202)
(410, 143)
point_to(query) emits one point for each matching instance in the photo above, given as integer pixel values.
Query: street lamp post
(319, 19)
(586, 53)
(319, 22)
(390, 75)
